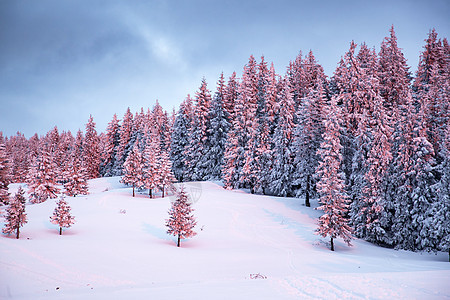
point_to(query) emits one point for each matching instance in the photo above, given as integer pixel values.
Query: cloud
(160, 46)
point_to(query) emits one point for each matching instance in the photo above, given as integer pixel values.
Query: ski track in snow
(118, 249)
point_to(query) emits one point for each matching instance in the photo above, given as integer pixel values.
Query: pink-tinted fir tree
(18, 151)
(333, 200)
(199, 139)
(133, 169)
(393, 75)
(61, 215)
(283, 139)
(434, 56)
(297, 79)
(53, 140)
(15, 214)
(91, 150)
(152, 178)
(180, 139)
(166, 177)
(160, 120)
(139, 123)
(181, 221)
(109, 154)
(218, 130)
(75, 182)
(303, 75)
(42, 178)
(260, 161)
(313, 71)
(65, 154)
(4, 172)
(308, 136)
(240, 143)
(125, 133)
(230, 96)
(432, 87)
(267, 112)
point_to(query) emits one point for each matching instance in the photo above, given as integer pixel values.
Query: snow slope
(119, 249)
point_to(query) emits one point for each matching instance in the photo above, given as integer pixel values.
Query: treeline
(371, 142)
(137, 148)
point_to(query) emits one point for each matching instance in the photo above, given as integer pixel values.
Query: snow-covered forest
(371, 144)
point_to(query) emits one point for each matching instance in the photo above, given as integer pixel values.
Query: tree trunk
(60, 230)
(178, 244)
(17, 232)
(163, 191)
(332, 244)
(307, 191)
(150, 192)
(133, 190)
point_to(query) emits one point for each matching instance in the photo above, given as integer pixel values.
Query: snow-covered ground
(247, 247)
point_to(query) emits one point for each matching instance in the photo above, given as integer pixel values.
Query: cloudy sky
(61, 61)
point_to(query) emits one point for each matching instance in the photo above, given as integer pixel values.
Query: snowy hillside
(247, 247)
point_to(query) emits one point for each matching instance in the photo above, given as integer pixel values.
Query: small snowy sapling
(181, 222)
(61, 215)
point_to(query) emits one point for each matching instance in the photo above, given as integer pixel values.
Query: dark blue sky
(63, 60)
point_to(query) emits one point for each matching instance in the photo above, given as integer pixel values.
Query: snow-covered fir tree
(308, 136)
(181, 220)
(199, 139)
(333, 199)
(283, 138)
(110, 153)
(160, 119)
(393, 76)
(230, 95)
(133, 169)
(4, 172)
(18, 150)
(180, 138)
(65, 152)
(314, 72)
(432, 86)
(372, 140)
(237, 171)
(15, 214)
(218, 130)
(91, 151)
(267, 108)
(297, 79)
(397, 179)
(42, 178)
(75, 178)
(377, 164)
(125, 133)
(139, 125)
(61, 215)
(151, 168)
(303, 73)
(248, 93)
(55, 149)
(417, 193)
(345, 86)
(436, 104)
(439, 227)
(165, 175)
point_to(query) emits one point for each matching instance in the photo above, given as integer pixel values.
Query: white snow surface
(118, 249)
